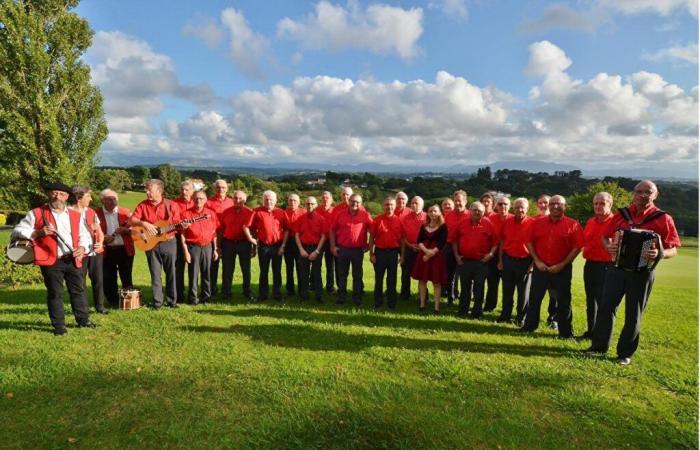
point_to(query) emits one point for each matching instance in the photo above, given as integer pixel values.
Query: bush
(3, 219)
(16, 275)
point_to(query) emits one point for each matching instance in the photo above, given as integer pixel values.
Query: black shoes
(503, 320)
(60, 331)
(86, 324)
(102, 311)
(623, 361)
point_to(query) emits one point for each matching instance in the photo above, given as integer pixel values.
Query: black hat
(57, 187)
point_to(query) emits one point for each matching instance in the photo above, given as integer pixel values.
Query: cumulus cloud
(562, 17)
(247, 47)
(685, 54)
(452, 8)
(206, 29)
(378, 28)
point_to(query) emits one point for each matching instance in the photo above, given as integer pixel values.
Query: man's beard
(57, 204)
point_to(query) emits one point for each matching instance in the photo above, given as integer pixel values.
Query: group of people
(464, 251)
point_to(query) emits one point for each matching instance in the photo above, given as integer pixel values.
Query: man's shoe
(476, 315)
(623, 361)
(525, 330)
(154, 307)
(86, 324)
(60, 331)
(554, 325)
(102, 311)
(586, 335)
(173, 305)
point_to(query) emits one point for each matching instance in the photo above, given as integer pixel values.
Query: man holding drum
(59, 247)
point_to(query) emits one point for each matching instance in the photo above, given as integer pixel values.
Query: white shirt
(112, 223)
(25, 228)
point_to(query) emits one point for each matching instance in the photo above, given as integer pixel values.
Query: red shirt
(386, 231)
(293, 218)
(269, 225)
(403, 212)
(663, 225)
(148, 212)
(410, 225)
(216, 204)
(184, 204)
(233, 221)
(310, 228)
(351, 230)
(475, 240)
(554, 240)
(326, 214)
(514, 236)
(452, 220)
(593, 249)
(203, 231)
(497, 221)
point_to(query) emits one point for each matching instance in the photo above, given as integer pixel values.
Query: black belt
(516, 258)
(236, 241)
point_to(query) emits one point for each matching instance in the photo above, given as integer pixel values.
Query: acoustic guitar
(145, 241)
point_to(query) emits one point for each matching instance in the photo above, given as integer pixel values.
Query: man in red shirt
(326, 209)
(384, 252)
(185, 201)
(411, 224)
(554, 242)
(543, 210)
(493, 276)
(219, 202)
(234, 244)
(514, 261)
(634, 286)
(452, 220)
(162, 258)
(487, 199)
(597, 257)
(474, 244)
(270, 226)
(310, 237)
(401, 205)
(293, 212)
(199, 247)
(348, 235)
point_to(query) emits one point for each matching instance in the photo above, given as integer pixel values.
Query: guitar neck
(172, 227)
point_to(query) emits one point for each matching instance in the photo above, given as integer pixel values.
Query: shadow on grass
(312, 338)
(26, 326)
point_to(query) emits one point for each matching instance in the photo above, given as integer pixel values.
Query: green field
(307, 376)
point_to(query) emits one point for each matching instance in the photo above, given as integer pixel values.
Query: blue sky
(414, 84)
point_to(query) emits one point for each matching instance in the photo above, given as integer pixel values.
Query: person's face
(326, 199)
(477, 212)
(557, 206)
(389, 207)
(355, 203)
(85, 200)
(345, 195)
(520, 210)
(543, 205)
(401, 202)
(433, 212)
(221, 189)
(459, 202)
(487, 202)
(502, 207)
(199, 201)
(644, 195)
(269, 202)
(293, 202)
(186, 190)
(311, 204)
(416, 205)
(109, 202)
(58, 199)
(447, 206)
(239, 199)
(154, 193)
(601, 206)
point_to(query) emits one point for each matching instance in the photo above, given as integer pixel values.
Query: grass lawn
(307, 376)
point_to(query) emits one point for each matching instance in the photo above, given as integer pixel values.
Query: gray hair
(108, 193)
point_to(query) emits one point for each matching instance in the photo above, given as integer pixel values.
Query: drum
(20, 251)
(129, 299)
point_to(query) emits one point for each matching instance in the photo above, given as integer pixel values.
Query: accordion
(632, 244)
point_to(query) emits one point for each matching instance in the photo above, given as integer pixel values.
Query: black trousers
(330, 262)
(268, 254)
(162, 259)
(516, 277)
(310, 274)
(291, 252)
(636, 288)
(450, 290)
(409, 259)
(116, 262)
(346, 258)
(493, 278)
(230, 250)
(214, 276)
(472, 273)
(387, 263)
(199, 267)
(54, 276)
(560, 285)
(593, 279)
(180, 265)
(93, 267)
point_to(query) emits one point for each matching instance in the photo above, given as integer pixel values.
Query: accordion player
(632, 246)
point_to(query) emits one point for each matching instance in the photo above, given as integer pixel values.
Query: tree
(170, 177)
(118, 180)
(51, 117)
(580, 205)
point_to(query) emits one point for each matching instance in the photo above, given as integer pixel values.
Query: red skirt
(433, 270)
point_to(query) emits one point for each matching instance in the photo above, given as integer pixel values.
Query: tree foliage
(580, 205)
(51, 118)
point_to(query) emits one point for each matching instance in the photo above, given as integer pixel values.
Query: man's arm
(249, 236)
(556, 268)
(542, 267)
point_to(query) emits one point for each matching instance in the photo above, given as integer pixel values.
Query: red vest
(123, 215)
(46, 247)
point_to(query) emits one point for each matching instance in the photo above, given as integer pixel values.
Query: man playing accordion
(634, 285)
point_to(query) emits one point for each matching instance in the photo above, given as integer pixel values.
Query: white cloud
(562, 17)
(663, 7)
(378, 28)
(686, 54)
(546, 58)
(206, 30)
(452, 8)
(247, 48)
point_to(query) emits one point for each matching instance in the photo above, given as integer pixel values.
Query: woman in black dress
(430, 265)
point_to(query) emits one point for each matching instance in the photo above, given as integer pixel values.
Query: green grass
(308, 376)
